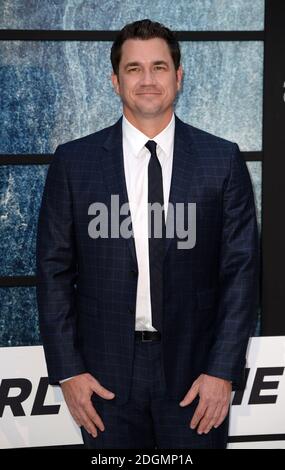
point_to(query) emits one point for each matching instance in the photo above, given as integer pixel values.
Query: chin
(150, 109)
(149, 113)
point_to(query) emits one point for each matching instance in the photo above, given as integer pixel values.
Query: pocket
(206, 298)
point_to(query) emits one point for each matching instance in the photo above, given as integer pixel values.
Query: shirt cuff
(64, 380)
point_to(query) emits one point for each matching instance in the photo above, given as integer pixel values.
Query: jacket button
(131, 311)
(134, 272)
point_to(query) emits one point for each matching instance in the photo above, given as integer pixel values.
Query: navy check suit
(87, 287)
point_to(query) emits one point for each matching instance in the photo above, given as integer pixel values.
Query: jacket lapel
(112, 163)
(183, 168)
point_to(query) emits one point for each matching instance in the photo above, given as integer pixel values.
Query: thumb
(190, 395)
(102, 391)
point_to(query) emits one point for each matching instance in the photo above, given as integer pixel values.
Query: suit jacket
(86, 288)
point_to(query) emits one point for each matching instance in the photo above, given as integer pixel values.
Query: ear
(115, 82)
(179, 75)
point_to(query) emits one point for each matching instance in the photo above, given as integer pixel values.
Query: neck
(149, 126)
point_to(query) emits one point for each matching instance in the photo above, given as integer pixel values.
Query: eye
(133, 69)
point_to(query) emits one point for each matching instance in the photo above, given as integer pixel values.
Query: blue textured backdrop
(114, 14)
(52, 92)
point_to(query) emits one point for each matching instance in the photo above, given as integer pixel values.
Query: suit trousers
(150, 419)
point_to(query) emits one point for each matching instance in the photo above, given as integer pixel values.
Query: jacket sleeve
(238, 276)
(56, 271)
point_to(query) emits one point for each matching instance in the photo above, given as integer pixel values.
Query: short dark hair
(145, 29)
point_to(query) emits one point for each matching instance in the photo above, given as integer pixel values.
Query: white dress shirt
(136, 159)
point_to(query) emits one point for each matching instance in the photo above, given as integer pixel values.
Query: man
(147, 336)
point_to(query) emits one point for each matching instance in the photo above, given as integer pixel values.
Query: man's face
(147, 81)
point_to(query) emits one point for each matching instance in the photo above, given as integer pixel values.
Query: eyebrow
(156, 62)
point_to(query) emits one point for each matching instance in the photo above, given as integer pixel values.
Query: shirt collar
(137, 140)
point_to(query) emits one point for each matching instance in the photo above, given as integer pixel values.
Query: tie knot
(151, 146)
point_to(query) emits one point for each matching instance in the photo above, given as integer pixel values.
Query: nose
(148, 77)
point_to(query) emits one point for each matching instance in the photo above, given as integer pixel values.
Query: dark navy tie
(156, 243)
